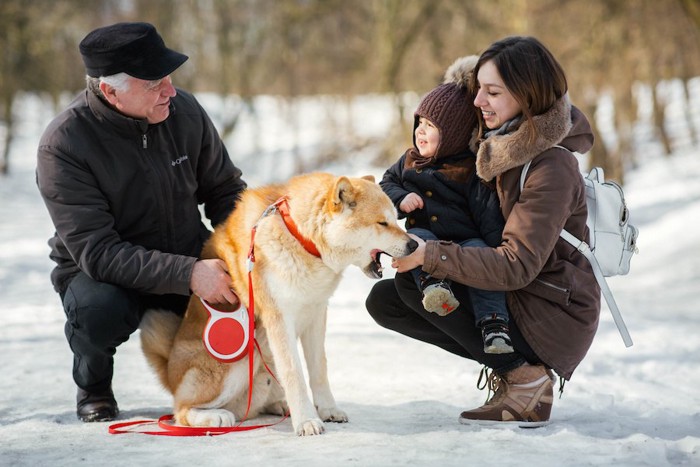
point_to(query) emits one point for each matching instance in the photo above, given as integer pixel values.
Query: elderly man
(123, 171)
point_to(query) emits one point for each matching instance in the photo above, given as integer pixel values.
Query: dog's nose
(412, 245)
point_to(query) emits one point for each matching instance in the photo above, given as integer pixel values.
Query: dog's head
(360, 224)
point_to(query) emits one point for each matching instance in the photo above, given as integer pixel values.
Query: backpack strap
(585, 249)
(523, 174)
(604, 288)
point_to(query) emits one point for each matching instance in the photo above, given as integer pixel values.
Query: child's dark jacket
(457, 204)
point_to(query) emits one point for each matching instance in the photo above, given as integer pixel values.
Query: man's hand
(415, 259)
(211, 282)
(411, 202)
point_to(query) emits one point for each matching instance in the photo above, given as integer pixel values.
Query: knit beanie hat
(450, 107)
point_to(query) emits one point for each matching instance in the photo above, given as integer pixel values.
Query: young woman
(553, 298)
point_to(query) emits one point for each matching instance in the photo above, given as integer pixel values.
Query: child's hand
(411, 202)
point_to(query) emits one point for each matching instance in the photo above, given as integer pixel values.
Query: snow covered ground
(625, 407)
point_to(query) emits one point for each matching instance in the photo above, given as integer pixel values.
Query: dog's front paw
(332, 414)
(210, 417)
(310, 427)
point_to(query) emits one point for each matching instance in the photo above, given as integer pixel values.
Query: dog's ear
(343, 195)
(369, 177)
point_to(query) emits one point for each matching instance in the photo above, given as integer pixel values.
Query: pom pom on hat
(460, 71)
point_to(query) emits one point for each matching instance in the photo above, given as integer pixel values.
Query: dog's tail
(158, 329)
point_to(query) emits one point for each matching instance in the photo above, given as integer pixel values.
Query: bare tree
(399, 24)
(37, 54)
(291, 48)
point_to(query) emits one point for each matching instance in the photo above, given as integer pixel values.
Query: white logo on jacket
(180, 160)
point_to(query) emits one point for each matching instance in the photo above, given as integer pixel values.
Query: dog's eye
(383, 223)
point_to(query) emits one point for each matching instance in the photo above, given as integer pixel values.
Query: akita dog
(306, 232)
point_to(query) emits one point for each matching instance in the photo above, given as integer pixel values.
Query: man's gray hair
(120, 82)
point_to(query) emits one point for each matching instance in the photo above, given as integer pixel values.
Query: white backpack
(613, 240)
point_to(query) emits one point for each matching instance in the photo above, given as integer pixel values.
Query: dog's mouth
(375, 268)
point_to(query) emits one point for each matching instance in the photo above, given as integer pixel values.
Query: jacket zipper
(553, 286)
(164, 194)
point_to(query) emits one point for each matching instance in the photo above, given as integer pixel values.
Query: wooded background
(610, 49)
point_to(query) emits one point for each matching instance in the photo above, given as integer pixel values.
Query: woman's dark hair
(530, 72)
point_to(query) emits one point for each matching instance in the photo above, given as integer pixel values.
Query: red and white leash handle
(226, 334)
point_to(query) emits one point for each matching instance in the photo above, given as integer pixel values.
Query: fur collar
(500, 153)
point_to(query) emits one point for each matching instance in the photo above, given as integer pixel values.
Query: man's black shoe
(97, 406)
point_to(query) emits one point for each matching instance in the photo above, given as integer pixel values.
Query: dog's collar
(283, 208)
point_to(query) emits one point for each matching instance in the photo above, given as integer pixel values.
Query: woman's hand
(415, 259)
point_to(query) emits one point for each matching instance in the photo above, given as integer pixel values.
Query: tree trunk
(659, 116)
(9, 135)
(692, 130)
(598, 153)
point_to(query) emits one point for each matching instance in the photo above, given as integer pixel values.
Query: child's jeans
(485, 303)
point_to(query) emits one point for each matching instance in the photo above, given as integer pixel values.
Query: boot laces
(494, 384)
(562, 382)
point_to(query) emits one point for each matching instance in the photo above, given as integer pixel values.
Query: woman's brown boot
(522, 397)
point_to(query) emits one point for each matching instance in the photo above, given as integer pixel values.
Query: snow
(626, 407)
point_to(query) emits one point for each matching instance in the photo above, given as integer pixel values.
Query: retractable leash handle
(226, 334)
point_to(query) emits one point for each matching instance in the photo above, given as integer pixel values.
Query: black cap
(132, 48)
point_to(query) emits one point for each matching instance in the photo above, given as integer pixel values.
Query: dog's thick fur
(349, 220)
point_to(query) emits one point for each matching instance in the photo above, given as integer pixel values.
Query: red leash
(169, 429)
